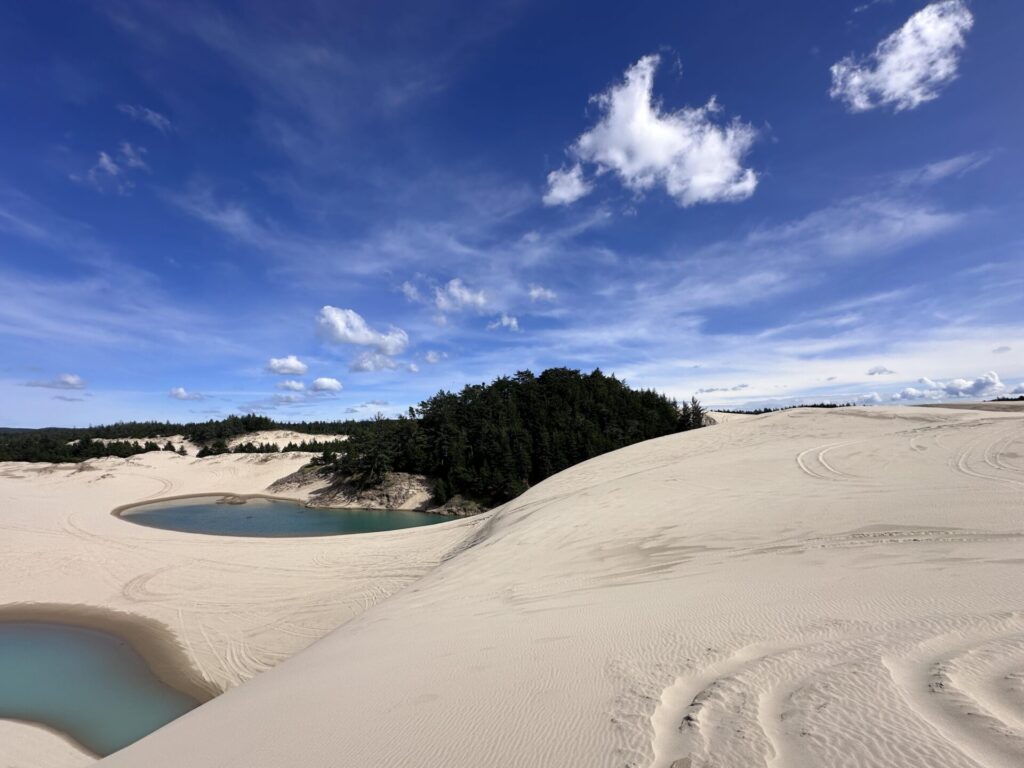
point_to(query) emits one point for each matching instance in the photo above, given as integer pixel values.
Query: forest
(492, 441)
(488, 442)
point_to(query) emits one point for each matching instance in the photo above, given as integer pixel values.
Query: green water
(89, 685)
(270, 517)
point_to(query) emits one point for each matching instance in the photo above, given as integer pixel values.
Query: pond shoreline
(312, 520)
(153, 641)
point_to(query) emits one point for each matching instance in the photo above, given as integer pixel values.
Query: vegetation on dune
(33, 446)
(759, 411)
(488, 442)
(492, 441)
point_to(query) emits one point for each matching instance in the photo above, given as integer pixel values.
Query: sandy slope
(237, 605)
(281, 438)
(806, 588)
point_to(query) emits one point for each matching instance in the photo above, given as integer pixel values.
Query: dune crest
(802, 588)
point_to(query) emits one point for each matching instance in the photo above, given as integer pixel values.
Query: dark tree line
(32, 446)
(760, 411)
(489, 441)
(492, 441)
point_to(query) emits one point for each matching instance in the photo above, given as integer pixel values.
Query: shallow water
(270, 517)
(89, 685)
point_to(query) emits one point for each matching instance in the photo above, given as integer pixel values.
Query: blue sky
(324, 210)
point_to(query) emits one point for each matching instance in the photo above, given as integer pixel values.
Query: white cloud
(566, 186)
(325, 384)
(456, 295)
(286, 366)
(345, 326)
(368, 362)
(932, 173)
(110, 171)
(62, 381)
(433, 356)
(880, 370)
(540, 293)
(1018, 390)
(1002, 350)
(412, 293)
(180, 393)
(695, 159)
(505, 321)
(291, 385)
(910, 66)
(147, 115)
(987, 385)
(131, 156)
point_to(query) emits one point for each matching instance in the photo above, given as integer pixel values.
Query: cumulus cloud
(566, 186)
(986, 385)
(325, 384)
(433, 356)
(61, 381)
(910, 66)
(180, 393)
(540, 293)
(880, 370)
(287, 366)
(689, 153)
(456, 295)
(147, 115)
(291, 385)
(345, 326)
(1018, 390)
(505, 321)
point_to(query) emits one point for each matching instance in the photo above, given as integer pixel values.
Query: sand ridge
(235, 606)
(805, 588)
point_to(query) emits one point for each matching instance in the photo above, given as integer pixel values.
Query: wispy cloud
(61, 381)
(112, 171)
(180, 393)
(148, 116)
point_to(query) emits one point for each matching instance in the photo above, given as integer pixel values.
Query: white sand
(806, 588)
(237, 605)
(281, 438)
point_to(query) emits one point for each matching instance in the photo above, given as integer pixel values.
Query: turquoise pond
(269, 517)
(88, 685)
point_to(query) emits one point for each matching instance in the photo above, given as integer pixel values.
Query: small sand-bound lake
(261, 516)
(88, 685)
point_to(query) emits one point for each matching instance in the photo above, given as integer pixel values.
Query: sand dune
(237, 606)
(805, 588)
